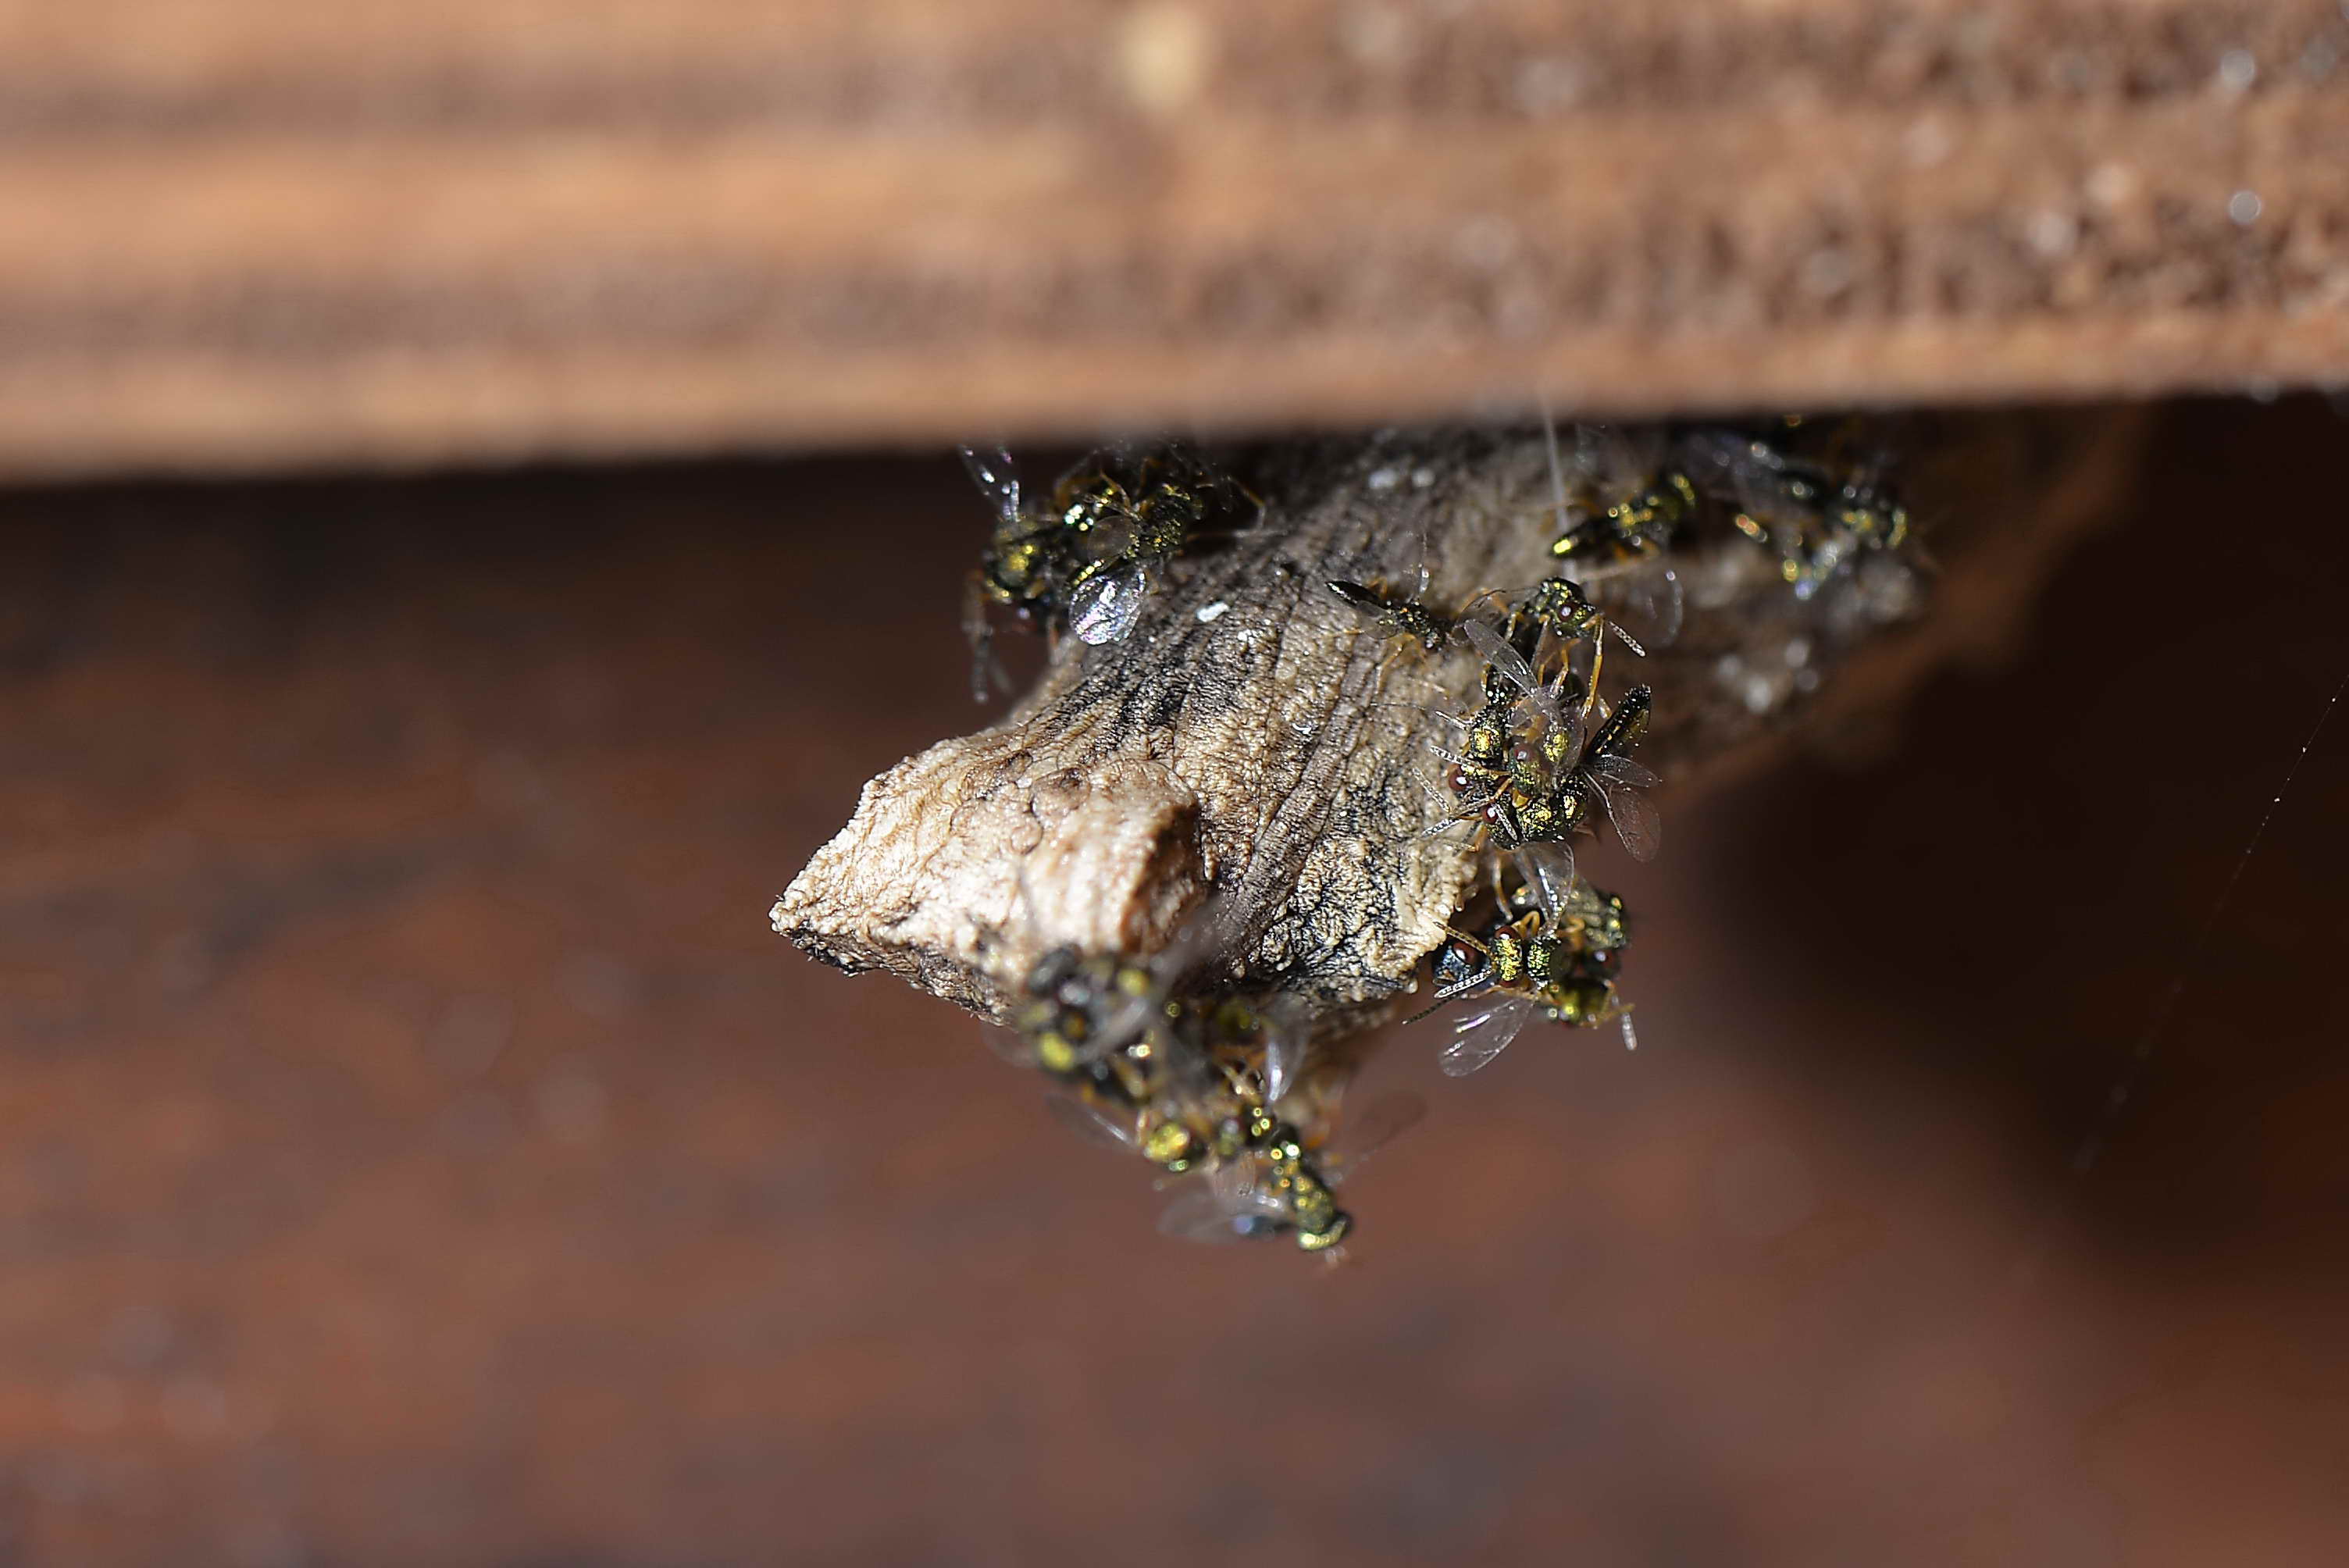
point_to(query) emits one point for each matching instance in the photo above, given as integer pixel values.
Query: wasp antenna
(1556, 471)
(1435, 1007)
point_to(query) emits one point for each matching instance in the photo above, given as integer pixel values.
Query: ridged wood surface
(241, 233)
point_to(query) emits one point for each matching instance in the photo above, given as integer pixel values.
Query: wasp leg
(1597, 659)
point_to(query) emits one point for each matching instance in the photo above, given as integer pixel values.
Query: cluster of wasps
(1207, 1084)
(1084, 557)
(1546, 758)
(1200, 1082)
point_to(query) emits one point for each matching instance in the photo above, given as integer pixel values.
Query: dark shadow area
(2023, 882)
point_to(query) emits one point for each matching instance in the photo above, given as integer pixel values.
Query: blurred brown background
(414, 1146)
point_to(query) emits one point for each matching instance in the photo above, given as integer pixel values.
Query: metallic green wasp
(1560, 784)
(1558, 960)
(1129, 516)
(1480, 768)
(1024, 569)
(1088, 556)
(1818, 521)
(1080, 1008)
(1641, 522)
(1139, 1066)
(1217, 1099)
(1616, 524)
(1281, 1181)
(1193, 1079)
(1400, 614)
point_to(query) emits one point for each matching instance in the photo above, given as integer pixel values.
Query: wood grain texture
(230, 235)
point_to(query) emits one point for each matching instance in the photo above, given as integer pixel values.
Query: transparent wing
(1602, 459)
(1011, 1045)
(1104, 608)
(1189, 1071)
(1723, 461)
(1711, 456)
(1229, 1207)
(1210, 931)
(1284, 1053)
(1637, 825)
(1132, 1016)
(1568, 719)
(1624, 772)
(991, 470)
(1483, 1036)
(1491, 602)
(1284, 1029)
(1495, 650)
(1658, 596)
(1371, 1129)
(1092, 1123)
(1548, 869)
(1778, 493)
(1644, 606)
(1210, 1216)
(1612, 462)
(1233, 1181)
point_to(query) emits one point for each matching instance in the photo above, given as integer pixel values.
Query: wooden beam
(230, 236)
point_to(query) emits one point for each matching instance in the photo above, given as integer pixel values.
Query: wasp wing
(1230, 1208)
(1371, 1129)
(1092, 1123)
(1284, 1053)
(1620, 770)
(1753, 475)
(1495, 650)
(1209, 1216)
(1644, 604)
(1612, 462)
(1562, 718)
(1105, 607)
(1481, 1037)
(1619, 781)
(1548, 870)
(990, 468)
(1011, 1045)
